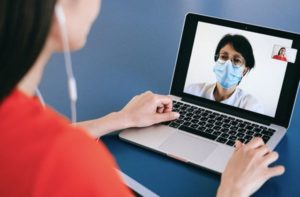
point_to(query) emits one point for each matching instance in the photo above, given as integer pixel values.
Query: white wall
(264, 81)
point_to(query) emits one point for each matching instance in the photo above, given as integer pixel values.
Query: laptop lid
(265, 94)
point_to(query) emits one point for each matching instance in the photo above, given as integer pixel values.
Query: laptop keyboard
(216, 126)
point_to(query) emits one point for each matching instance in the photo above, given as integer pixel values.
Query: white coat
(238, 99)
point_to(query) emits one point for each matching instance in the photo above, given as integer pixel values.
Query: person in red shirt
(281, 55)
(42, 153)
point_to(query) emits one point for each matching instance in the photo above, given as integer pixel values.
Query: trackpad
(188, 147)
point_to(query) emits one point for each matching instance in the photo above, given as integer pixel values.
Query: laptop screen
(236, 67)
(247, 69)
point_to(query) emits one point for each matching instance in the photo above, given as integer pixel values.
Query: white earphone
(61, 18)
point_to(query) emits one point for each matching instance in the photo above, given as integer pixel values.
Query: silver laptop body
(196, 149)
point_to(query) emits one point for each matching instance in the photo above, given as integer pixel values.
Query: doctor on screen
(233, 60)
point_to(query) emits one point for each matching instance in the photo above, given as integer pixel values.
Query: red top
(278, 57)
(43, 155)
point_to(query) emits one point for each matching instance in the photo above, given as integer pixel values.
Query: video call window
(284, 54)
(234, 67)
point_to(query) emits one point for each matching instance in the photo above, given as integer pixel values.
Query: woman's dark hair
(24, 27)
(279, 52)
(241, 45)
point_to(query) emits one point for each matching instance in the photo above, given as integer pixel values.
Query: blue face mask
(227, 74)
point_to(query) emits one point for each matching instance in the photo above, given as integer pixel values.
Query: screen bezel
(290, 83)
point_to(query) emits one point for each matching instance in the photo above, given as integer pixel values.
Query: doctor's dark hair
(24, 27)
(241, 45)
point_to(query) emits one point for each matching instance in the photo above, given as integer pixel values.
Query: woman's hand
(148, 109)
(248, 169)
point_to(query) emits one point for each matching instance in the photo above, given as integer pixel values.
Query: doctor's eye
(238, 61)
(223, 57)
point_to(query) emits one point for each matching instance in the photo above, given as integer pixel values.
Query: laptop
(232, 81)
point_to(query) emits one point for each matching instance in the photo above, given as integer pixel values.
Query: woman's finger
(255, 143)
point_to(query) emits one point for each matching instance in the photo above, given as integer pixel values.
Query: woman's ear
(246, 70)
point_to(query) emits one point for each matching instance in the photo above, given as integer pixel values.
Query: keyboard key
(230, 142)
(247, 123)
(234, 128)
(234, 123)
(232, 137)
(209, 130)
(195, 131)
(216, 133)
(226, 125)
(209, 112)
(267, 133)
(222, 140)
(190, 110)
(211, 121)
(224, 135)
(226, 120)
(249, 127)
(217, 127)
(218, 123)
(203, 119)
(257, 135)
(240, 135)
(194, 126)
(211, 116)
(257, 130)
(175, 110)
(182, 113)
(196, 117)
(204, 114)
(202, 123)
(179, 121)
(181, 117)
(183, 108)
(248, 137)
(209, 125)
(224, 130)
(189, 115)
(232, 133)
(265, 138)
(202, 129)
(187, 119)
(219, 118)
(241, 130)
(186, 124)
(173, 124)
(271, 130)
(176, 106)
(194, 121)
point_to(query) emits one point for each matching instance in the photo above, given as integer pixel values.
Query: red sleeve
(78, 166)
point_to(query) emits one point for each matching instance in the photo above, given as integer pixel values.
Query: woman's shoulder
(76, 159)
(73, 151)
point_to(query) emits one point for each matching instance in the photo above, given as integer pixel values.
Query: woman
(281, 55)
(42, 154)
(233, 60)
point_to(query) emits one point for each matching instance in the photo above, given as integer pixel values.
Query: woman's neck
(222, 94)
(31, 80)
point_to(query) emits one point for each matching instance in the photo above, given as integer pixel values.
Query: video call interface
(239, 68)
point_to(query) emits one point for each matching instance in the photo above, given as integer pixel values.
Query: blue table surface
(133, 48)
